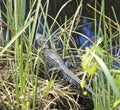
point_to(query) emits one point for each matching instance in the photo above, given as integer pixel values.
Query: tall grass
(106, 89)
(21, 66)
(24, 89)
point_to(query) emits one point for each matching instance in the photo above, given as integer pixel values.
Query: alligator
(55, 62)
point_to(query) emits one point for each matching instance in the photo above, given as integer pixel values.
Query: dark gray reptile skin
(54, 60)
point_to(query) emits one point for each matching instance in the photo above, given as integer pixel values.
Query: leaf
(98, 50)
(107, 73)
(116, 103)
(82, 84)
(84, 93)
(92, 69)
(89, 64)
(85, 60)
(117, 80)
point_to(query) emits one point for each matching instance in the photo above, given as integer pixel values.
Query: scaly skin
(53, 60)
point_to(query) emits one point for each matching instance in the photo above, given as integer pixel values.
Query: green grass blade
(107, 74)
(15, 37)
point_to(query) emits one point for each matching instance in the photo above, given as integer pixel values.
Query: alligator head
(40, 39)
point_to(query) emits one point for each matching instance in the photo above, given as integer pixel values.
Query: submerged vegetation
(23, 83)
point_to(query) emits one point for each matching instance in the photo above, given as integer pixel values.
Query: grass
(23, 70)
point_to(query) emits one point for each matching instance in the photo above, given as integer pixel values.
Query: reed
(23, 84)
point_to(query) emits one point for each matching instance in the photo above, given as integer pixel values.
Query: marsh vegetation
(23, 83)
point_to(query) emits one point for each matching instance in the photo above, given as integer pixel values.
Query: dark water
(88, 30)
(69, 10)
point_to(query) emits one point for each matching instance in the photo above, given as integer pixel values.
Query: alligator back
(52, 58)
